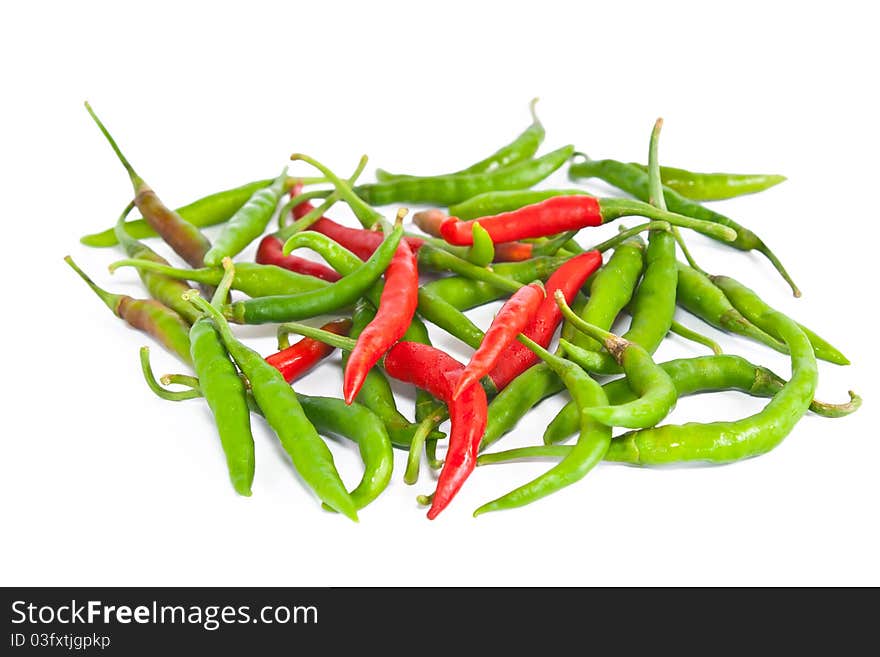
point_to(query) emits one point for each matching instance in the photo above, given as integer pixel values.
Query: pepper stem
(413, 459)
(837, 410)
(693, 336)
(655, 183)
(225, 284)
(552, 245)
(208, 275)
(624, 235)
(613, 343)
(110, 300)
(168, 395)
(614, 208)
(534, 452)
(136, 180)
(125, 240)
(339, 341)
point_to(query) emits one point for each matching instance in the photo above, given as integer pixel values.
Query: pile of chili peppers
(486, 236)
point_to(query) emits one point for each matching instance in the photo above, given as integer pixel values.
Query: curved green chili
(482, 252)
(656, 391)
(592, 444)
(699, 375)
(724, 442)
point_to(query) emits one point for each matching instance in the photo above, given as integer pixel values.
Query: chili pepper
(248, 223)
(714, 186)
(515, 315)
(394, 314)
(563, 213)
(163, 289)
(446, 190)
(147, 315)
(270, 253)
(439, 260)
(568, 279)
(723, 442)
(492, 203)
(592, 444)
(444, 315)
(296, 359)
(182, 236)
(347, 290)
(748, 303)
(437, 372)
(611, 289)
(656, 391)
(633, 181)
(517, 398)
(252, 279)
(207, 211)
(225, 392)
(278, 402)
(695, 376)
(521, 148)
(697, 294)
(360, 425)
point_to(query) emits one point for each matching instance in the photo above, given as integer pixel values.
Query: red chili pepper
(294, 361)
(437, 372)
(429, 221)
(397, 305)
(514, 317)
(269, 253)
(569, 278)
(359, 241)
(555, 215)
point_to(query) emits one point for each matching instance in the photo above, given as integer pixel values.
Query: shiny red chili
(269, 253)
(294, 361)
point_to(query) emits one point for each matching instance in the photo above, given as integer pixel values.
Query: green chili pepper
(278, 402)
(492, 203)
(252, 279)
(724, 442)
(521, 148)
(225, 392)
(360, 425)
(163, 289)
(633, 181)
(592, 444)
(656, 391)
(281, 308)
(248, 223)
(147, 315)
(748, 303)
(446, 190)
(699, 375)
(714, 186)
(207, 211)
(698, 295)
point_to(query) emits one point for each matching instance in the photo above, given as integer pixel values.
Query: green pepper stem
(684, 249)
(365, 214)
(110, 300)
(222, 291)
(655, 182)
(338, 341)
(693, 336)
(625, 234)
(552, 245)
(613, 343)
(413, 459)
(537, 451)
(444, 259)
(181, 380)
(168, 395)
(837, 410)
(125, 240)
(209, 275)
(307, 221)
(614, 208)
(136, 180)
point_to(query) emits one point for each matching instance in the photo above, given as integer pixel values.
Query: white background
(104, 484)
